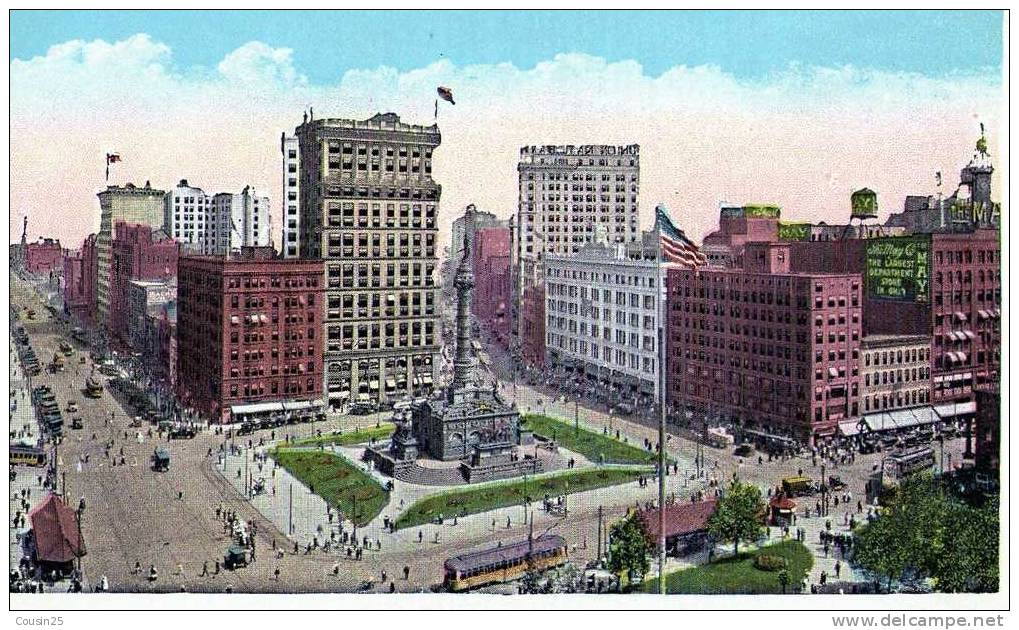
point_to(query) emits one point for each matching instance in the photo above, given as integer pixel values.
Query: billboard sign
(899, 269)
(793, 231)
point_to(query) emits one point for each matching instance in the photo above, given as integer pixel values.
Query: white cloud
(803, 137)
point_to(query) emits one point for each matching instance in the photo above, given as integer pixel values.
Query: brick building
(249, 334)
(532, 326)
(80, 281)
(764, 346)
(138, 253)
(493, 281)
(960, 311)
(44, 256)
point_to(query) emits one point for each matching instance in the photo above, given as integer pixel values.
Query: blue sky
(745, 44)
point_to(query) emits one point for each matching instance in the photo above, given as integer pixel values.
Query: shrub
(767, 562)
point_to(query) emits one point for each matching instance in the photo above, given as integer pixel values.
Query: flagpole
(661, 419)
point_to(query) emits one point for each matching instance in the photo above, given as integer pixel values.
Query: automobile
(744, 450)
(235, 556)
(136, 422)
(72, 406)
(108, 369)
(160, 459)
(76, 423)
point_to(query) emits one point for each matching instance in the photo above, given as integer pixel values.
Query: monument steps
(422, 476)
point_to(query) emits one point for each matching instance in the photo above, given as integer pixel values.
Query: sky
(793, 108)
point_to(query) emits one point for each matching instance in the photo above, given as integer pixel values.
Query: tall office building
(130, 204)
(186, 216)
(565, 192)
(291, 150)
(368, 206)
(238, 220)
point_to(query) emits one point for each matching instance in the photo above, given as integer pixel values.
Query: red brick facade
(80, 281)
(532, 316)
(493, 281)
(139, 253)
(43, 256)
(763, 346)
(962, 315)
(249, 330)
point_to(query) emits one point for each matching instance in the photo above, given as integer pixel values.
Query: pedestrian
(276, 574)
(217, 567)
(205, 568)
(838, 568)
(406, 572)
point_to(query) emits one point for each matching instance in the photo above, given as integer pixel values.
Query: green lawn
(588, 443)
(738, 576)
(481, 498)
(336, 480)
(356, 436)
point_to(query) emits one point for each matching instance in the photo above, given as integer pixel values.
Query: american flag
(674, 244)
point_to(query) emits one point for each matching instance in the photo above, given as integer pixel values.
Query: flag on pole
(674, 244)
(111, 158)
(446, 94)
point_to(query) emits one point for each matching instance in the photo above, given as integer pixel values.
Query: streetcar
(66, 348)
(504, 564)
(911, 461)
(22, 455)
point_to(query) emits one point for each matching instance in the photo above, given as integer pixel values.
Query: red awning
(783, 503)
(55, 527)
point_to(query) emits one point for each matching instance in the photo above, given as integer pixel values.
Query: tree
(783, 579)
(738, 515)
(926, 533)
(629, 549)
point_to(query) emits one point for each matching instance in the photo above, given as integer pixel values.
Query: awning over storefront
(959, 315)
(390, 383)
(363, 398)
(983, 314)
(849, 428)
(265, 407)
(954, 410)
(339, 395)
(900, 419)
(427, 379)
(298, 405)
(373, 384)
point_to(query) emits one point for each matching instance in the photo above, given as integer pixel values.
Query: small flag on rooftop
(446, 94)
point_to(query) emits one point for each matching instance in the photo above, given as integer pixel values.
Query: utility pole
(291, 512)
(600, 516)
(353, 516)
(576, 416)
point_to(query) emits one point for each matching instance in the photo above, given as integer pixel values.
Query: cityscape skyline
(697, 303)
(716, 135)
